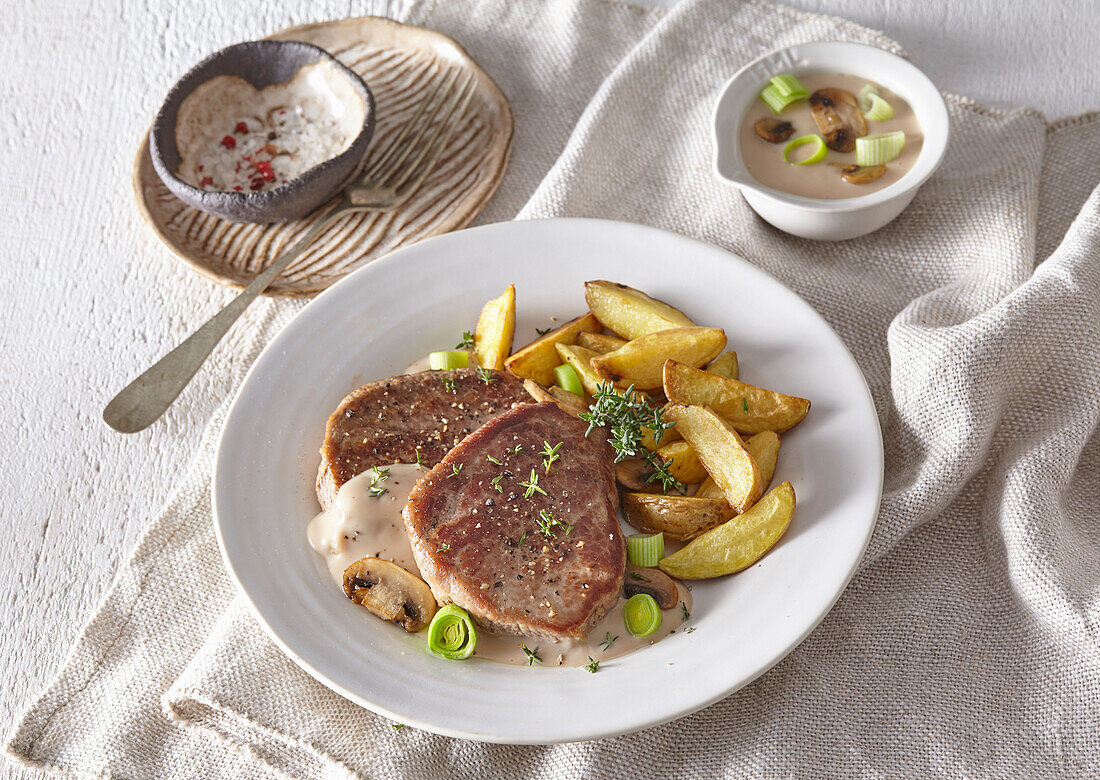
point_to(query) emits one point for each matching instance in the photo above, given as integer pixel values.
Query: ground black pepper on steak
(386, 421)
(483, 549)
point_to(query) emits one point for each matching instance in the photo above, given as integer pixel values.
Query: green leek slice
(448, 360)
(645, 549)
(641, 615)
(783, 90)
(567, 378)
(874, 105)
(880, 148)
(452, 634)
(817, 156)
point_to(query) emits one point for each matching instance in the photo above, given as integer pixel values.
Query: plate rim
(306, 665)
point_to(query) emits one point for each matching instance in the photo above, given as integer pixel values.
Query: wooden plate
(400, 64)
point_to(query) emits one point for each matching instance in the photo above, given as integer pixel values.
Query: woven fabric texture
(968, 645)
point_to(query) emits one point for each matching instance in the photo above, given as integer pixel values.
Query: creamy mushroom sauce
(233, 137)
(357, 525)
(764, 161)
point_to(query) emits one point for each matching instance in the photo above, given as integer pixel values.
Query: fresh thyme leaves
(610, 640)
(467, 341)
(493, 460)
(532, 485)
(550, 454)
(419, 458)
(532, 655)
(377, 477)
(636, 576)
(515, 450)
(397, 726)
(443, 547)
(486, 375)
(547, 522)
(626, 415)
(568, 530)
(744, 403)
(689, 629)
(455, 470)
(684, 610)
(495, 482)
(523, 538)
(592, 665)
(450, 385)
(543, 331)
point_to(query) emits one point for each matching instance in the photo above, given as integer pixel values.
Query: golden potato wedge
(738, 543)
(708, 488)
(721, 451)
(600, 343)
(749, 409)
(570, 402)
(629, 312)
(581, 360)
(641, 362)
(539, 358)
(682, 462)
(764, 448)
(495, 328)
(724, 365)
(679, 518)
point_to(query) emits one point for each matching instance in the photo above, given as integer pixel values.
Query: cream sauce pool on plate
(358, 525)
(764, 161)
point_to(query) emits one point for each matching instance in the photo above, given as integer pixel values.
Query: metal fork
(387, 182)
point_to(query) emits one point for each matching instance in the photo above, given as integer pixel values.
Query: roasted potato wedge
(570, 402)
(724, 365)
(600, 343)
(680, 518)
(539, 358)
(495, 328)
(629, 312)
(641, 362)
(682, 462)
(581, 360)
(764, 448)
(749, 409)
(721, 451)
(738, 543)
(708, 488)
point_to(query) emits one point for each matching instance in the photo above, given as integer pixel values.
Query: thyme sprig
(592, 666)
(626, 415)
(610, 640)
(467, 341)
(532, 485)
(485, 375)
(550, 455)
(450, 385)
(547, 523)
(456, 469)
(532, 655)
(543, 331)
(377, 477)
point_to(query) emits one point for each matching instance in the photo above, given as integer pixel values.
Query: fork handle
(144, 400)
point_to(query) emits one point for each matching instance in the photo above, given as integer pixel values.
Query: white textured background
(90, 298)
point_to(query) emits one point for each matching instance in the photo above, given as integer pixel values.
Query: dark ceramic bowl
(261, 64)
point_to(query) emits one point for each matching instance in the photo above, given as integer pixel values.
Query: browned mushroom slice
(838, 117)
(390, 592)
(774, 131)
(653, 582)
(860, 174)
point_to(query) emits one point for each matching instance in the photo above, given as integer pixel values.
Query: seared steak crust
(387, 421)
(485, 549)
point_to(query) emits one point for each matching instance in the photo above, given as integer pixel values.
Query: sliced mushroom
(860, 174)
(774, 131)
(838, 118)
(633, 473)
(390, 592)
(654, 582)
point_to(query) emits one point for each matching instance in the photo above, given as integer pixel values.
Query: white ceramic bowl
(829, 220)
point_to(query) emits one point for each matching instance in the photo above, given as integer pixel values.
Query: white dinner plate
(383, 316)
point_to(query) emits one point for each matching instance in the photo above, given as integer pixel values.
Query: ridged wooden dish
(400, 64)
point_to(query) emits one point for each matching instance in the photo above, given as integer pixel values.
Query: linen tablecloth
(969, 642)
